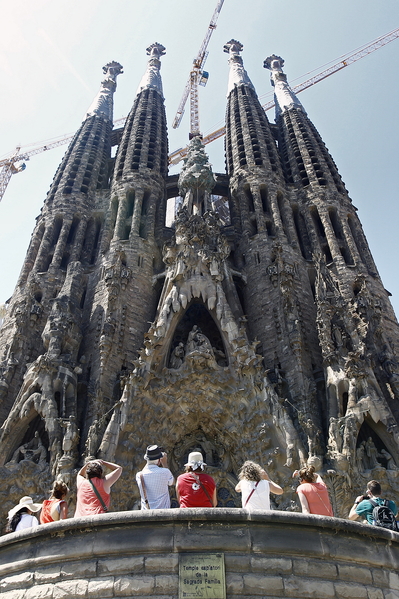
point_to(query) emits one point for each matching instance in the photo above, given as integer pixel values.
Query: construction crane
(178, 155)
(14, 163)
(197, 77)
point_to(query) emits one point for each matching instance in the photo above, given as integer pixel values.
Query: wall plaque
(201, 575)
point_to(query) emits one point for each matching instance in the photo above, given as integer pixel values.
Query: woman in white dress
(21, 515)
(255, 487)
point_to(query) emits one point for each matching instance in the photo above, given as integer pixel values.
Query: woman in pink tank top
(92, 484)
(312, 492)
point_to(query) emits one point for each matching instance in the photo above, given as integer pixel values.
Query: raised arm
(113, 476)
(274, 487)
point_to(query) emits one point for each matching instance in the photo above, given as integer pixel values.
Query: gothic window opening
(371, 450)
(239, 286)
(318, 224)
(280, 204)
(73, 229)
(327, 254)
(250, 199)
(114, 213)
(97, 231)
(302, 234)
(265, 199)
(144, 224)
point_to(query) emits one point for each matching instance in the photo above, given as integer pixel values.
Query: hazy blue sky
(52, 53)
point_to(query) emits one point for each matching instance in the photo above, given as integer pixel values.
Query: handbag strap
(250, 495)
(144, 491)
(98, 496)
(321, 499)
(203, 488)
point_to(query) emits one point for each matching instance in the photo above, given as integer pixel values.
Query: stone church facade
(253, 326)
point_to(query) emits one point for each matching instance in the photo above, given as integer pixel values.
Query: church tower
(256, 328)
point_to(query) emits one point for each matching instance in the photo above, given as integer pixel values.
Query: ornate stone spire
(238, 75)
(196, 179)
(152, 77)
(284, 97)
(102, 104)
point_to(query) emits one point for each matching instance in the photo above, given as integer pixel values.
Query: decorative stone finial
(196, 179)
(238, 75)
(152, 76)
(102, 104)
(284, 97)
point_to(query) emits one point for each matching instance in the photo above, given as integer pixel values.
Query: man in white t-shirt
(154, 480)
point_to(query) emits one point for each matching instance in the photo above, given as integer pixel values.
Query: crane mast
(13, 164)
(197, 77)
(178, 155)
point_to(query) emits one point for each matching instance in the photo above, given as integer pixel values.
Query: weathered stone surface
(347, 591)
(255, 584)
(129, 586)
(121, 565)
(354, 573)
(69, 588)
(100, 588)
(17, 581)
(296, 587)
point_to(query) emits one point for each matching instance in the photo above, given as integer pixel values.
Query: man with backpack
(377, 511)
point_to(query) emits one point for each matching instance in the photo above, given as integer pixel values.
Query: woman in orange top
(55, 508)
(312, 492)
(92, 481)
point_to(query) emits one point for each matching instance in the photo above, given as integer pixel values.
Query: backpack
(383, 515)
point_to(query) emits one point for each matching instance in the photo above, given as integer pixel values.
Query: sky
(51, 58)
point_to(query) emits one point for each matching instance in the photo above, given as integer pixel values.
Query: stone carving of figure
(177, 356)
(313, 434)
(71, 435)
(372, 453)
(197, 341)
(360, 451)
(334, 438)
(93, 437)
(34, 451)
(390, 461)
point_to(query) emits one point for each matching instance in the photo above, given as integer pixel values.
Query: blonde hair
(250, 471)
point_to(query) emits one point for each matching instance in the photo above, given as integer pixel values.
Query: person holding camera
(363, 507)
(154, 480)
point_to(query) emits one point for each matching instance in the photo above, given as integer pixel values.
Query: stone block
(17, 581)
(129, 586)
(216, 537)
(236, 563)
(40, 591)
(391, 595)
(169, 564)
(394, 581)
(256, 584)
(346, 590)
(143, 538)
(167, 585)
(314, 569)
(305, 587)
(100, 588)
(49, 574)
(83, 569)
(234, 584)
(380, 577)
(16, 594)
(276, 541)
(122, 565)
(271, 565)
(374, 593)
(354, 574)
(70, 588)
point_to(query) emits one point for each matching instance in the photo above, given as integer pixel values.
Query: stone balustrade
(136, 554)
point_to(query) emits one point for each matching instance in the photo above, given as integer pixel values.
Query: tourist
(20, 516)
(312, 492)
(154, 480)
(255, 487)
(363, 507)
(55, 508)
(93, 495)
(195, 488)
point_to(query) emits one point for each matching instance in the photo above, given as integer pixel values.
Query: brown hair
(94, 470)
(374, 487)
(59, 490)
(307, 474)
(250, 471)
(190, 469)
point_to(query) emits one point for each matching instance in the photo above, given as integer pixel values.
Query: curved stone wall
(136, 554)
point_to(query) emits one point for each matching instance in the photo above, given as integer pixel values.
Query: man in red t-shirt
(195, 488)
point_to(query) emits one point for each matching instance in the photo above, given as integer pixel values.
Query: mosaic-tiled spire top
(238, 75)
(284, 97)
(103, 103)
(152, 76)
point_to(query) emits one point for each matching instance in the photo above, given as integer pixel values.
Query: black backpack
(383, 515)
